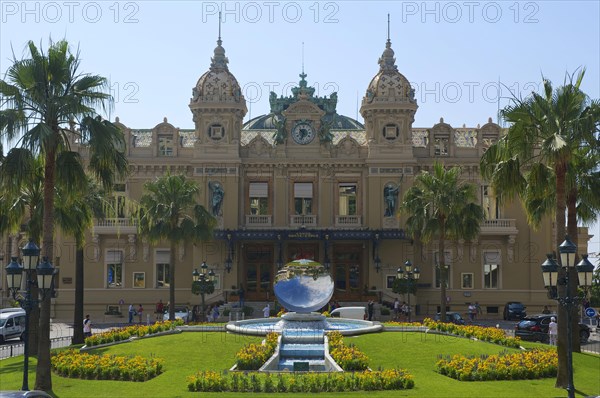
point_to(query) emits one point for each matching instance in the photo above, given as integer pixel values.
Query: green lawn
(186, 353)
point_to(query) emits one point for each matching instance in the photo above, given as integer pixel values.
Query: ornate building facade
(303, 182)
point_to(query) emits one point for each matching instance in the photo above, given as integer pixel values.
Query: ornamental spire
(219, 60)
(387, 62)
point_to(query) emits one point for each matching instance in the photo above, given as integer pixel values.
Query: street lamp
(550, 271)
(410, 274)
(14, 275)
(203, 283)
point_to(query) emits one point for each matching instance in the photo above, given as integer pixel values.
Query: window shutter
(162, 256)
(114, 257)
(259, 190)
(303, 190)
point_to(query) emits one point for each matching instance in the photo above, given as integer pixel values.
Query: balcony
(258, 220)
(499, 226)
(348, 221)
(115, 226)
(303, 221)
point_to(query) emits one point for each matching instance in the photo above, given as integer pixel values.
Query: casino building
(303, 182)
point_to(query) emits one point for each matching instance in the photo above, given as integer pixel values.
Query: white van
(12, 324)
(350, 312)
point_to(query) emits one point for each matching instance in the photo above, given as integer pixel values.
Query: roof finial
(302, 57)
(219, 40)
(219, 60)
(388, 27)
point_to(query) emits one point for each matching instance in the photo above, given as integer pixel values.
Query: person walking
(552, 331)
(87, 327)
(396, 309)
(140, 312)
(267, 311)
(472, 312)
(160, 309)
(131, 313)
(370, 309)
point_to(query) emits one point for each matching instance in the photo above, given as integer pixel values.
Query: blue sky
(454, 53)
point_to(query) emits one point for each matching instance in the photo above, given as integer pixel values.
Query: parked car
(514, 310)
(453, 317)
(12, 324)
(24, 394)
(181, 312)
(535, 328)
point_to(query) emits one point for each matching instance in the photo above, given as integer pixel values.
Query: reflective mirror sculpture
(303, 286)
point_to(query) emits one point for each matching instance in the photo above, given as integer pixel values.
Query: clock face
(303, 133)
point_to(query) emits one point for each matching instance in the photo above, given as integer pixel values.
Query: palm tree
(549, 158)
(75, 215)
(441, 206)
(42, 99)
(21, 184)
(168, 210)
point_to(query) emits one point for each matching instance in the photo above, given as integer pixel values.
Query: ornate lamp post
(203, 284)
(550, 272)
(14, 275)
(410, 274)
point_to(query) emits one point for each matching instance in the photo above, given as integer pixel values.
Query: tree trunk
(43, 379)
(172, 283)
(573, 233)
(443, 274)
(562, 375)
(78, 337)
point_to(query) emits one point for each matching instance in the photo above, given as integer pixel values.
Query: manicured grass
(186, 353)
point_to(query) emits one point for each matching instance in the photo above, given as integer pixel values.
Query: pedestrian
(241, 295)
(396, 309)
(472, 310)
(552, 331)
(87, 327)
(478, 310)
(546, 310)
(370, 309)
(404, 310)
(160, 310)
(140, 312)
(267, 311)
(215, 313)
(131, 313)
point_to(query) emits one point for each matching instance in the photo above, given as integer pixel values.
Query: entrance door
(258, 281)
(347, 272)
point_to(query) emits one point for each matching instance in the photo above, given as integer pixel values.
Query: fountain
(302, 287)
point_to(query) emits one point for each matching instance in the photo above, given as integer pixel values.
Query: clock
(303, 133)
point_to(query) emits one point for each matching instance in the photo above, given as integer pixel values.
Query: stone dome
(389, 84)
(218, 84)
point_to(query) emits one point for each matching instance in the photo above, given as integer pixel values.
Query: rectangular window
(165, 145)
(347, 199)
(116, 204)
(447, 259)
(163, 275)
(441, 145)
(259, 198)
(303, 193)
(489, 203)
(491, 270)
(466, 280)
(114, 268)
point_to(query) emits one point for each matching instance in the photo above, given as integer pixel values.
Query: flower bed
(348, 357)
(393, 379)
(125, 333)
(490, 334)
(70, 363)
(253, 356)
(532, 364)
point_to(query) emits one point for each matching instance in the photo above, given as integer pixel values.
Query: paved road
(61, 334)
